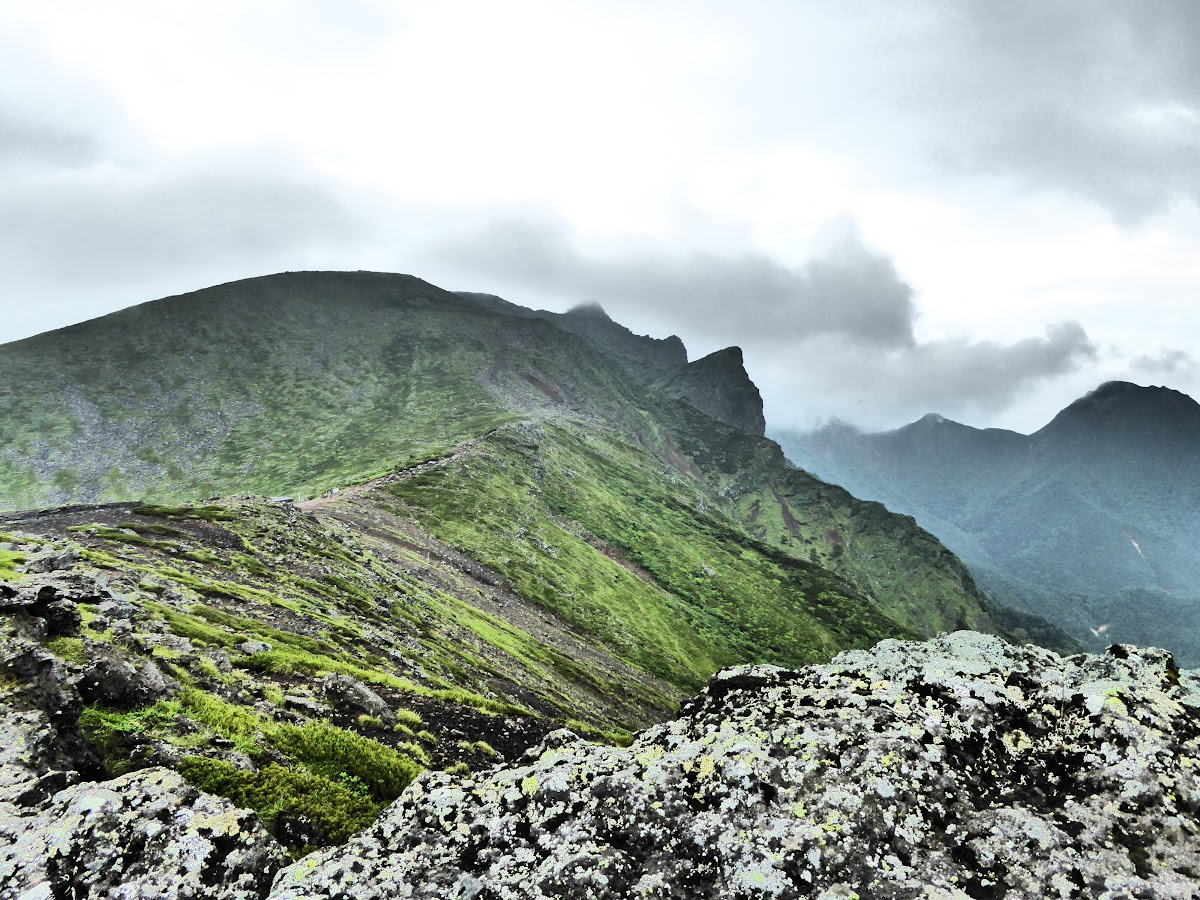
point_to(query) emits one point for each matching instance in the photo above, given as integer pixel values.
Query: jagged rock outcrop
(962, 767)
(145, 834)
(719, 386)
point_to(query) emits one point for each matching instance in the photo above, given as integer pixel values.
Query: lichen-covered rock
(145, 834)
(352, 697)
(33, 763)
(122, 680)
(961, 767)
(42, 749)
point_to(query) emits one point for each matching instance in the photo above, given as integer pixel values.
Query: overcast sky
(976, 208)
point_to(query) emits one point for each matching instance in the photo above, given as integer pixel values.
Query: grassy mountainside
(501, 529)
(301, 383)
(242, 610)
(287, 384)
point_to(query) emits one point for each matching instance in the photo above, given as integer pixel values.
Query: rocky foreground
(961, 767)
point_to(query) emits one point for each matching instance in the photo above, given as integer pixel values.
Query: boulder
(961, 767)
(34, 765)
(53, 560)
(123, 681)
(351, 697)
(39, 710)
(51, 598)
(145, 834)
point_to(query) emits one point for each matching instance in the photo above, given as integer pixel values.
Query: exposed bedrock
(961, 767)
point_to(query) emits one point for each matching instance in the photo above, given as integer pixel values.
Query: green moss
(202, 556)
(330, 751)
(409, 718)
(212, 587)
(9, 560)
(275, 790)
(615, 738)
(70, 649)
(107, 730)
(206, 513)
(123, 536)
(245, 728)
(195, 628)
(101, 560)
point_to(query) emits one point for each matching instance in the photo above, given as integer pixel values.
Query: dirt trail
(403, 543)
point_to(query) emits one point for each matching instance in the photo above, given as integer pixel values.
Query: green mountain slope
(503, 527)
(301, 383)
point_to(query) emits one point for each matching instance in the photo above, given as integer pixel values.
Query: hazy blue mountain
(1102, 501)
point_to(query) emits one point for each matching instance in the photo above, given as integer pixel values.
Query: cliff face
(962, 767)
(719, 385)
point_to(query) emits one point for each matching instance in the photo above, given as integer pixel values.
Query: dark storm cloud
(28, 138)
(108, 225)
(1101, 100)
(851, 291)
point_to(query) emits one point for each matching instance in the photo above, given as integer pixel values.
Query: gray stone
(961, 767)
(117, 609)
(145, 834)
(172, 643)
(51, 561)
(351, 697)
(121, 680)
(250, 648)
(220, 659)
(33, 764)
(306, 706)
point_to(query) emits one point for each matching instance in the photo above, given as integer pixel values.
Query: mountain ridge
(1099, 501)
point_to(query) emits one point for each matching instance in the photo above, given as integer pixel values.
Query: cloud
(104, 224)
(1167, 363)
(849, 291)
(28, 138)
(952, 376)
(834, 336)
(1097, 100)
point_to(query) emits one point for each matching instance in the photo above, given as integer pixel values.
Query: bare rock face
(145, 834)
(961, 767)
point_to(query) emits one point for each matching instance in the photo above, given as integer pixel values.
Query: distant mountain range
(1093, 520)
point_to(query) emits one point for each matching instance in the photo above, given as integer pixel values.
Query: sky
(973, 208)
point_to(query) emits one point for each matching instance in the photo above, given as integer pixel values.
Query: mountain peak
(719, 385)
(1123, 406)
(728, 356)
(589, 309)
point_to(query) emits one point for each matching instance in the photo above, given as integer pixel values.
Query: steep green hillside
(586, 525)
(291, 384)
(302, 383)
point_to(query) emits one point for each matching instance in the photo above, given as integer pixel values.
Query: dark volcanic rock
(117, 679)
(962, 767)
